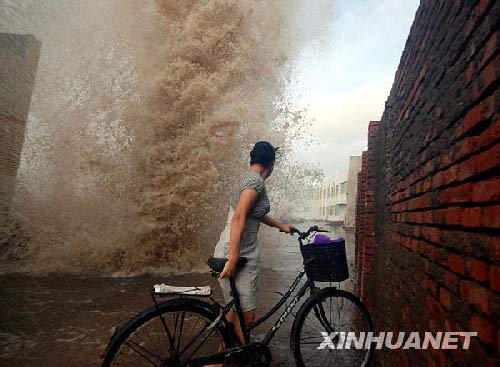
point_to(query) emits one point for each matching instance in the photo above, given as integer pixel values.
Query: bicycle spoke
(337, 314)
(320, 315)
(319, 326)
(158, 334)
(199, 346)
(180, 334)
(138, 349)
(146, 345)
(193, 340)
(310, 343)
(330, 299)
(310, 337)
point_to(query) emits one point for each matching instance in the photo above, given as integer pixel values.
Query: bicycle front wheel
(323, 325)
(172, 334)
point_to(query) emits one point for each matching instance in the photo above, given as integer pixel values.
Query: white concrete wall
(330, 200)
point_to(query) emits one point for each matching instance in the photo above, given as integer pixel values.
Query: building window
(343, 187)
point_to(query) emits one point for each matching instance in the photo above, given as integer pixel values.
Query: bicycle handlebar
(304, 235)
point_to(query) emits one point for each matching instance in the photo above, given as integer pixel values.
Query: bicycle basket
(325, 259)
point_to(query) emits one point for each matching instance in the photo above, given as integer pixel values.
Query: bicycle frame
(217, 316)
(270, 334)
(219, 357)
(309, 284)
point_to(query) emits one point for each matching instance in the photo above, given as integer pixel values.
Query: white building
(330, 199)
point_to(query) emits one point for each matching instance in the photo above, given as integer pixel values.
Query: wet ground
(66, 320)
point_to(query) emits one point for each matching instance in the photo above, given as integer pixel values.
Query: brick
(452, 281)
(449, 216)
(448, 176)
(492, 361)
(477, 295)
(473, 117)
(495, 278)
(490, 216)
(444, 298)
(486, 190)
(472, 217)
(432, 234)
(471, 71)
(456, 263)
(432, 287)
(491, 47)
(479, 163)
(435, 308)
(458, 194)
(490, 74)
(479, 270)
(486, 329)
(452, 325)
(482, 6)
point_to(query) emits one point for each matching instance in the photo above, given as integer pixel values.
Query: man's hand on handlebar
(317, 229)
(287, 228)
(306, 234)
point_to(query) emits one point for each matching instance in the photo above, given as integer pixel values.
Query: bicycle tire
(187, 305)
(310, 311)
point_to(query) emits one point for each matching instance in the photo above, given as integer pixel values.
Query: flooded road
(66, 320)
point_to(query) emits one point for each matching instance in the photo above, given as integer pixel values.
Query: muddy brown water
(66, 320)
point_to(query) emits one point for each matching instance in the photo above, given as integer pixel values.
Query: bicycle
(156, 336)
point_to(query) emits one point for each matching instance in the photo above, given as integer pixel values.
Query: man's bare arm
(271, 222)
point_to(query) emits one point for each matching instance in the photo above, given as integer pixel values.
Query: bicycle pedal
(253, 354)
(259, 355)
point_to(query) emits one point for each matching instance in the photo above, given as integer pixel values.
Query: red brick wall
(427, 242)
(365, 234)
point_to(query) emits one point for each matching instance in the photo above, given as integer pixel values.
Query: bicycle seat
(217, 264)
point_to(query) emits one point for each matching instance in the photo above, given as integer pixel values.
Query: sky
(346, 82)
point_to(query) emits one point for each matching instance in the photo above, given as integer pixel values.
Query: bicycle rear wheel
(170, 335)
(330, 311)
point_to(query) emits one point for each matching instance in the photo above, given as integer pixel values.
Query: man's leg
(232, 317)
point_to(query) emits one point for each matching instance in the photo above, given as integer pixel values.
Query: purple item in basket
(321, 239)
